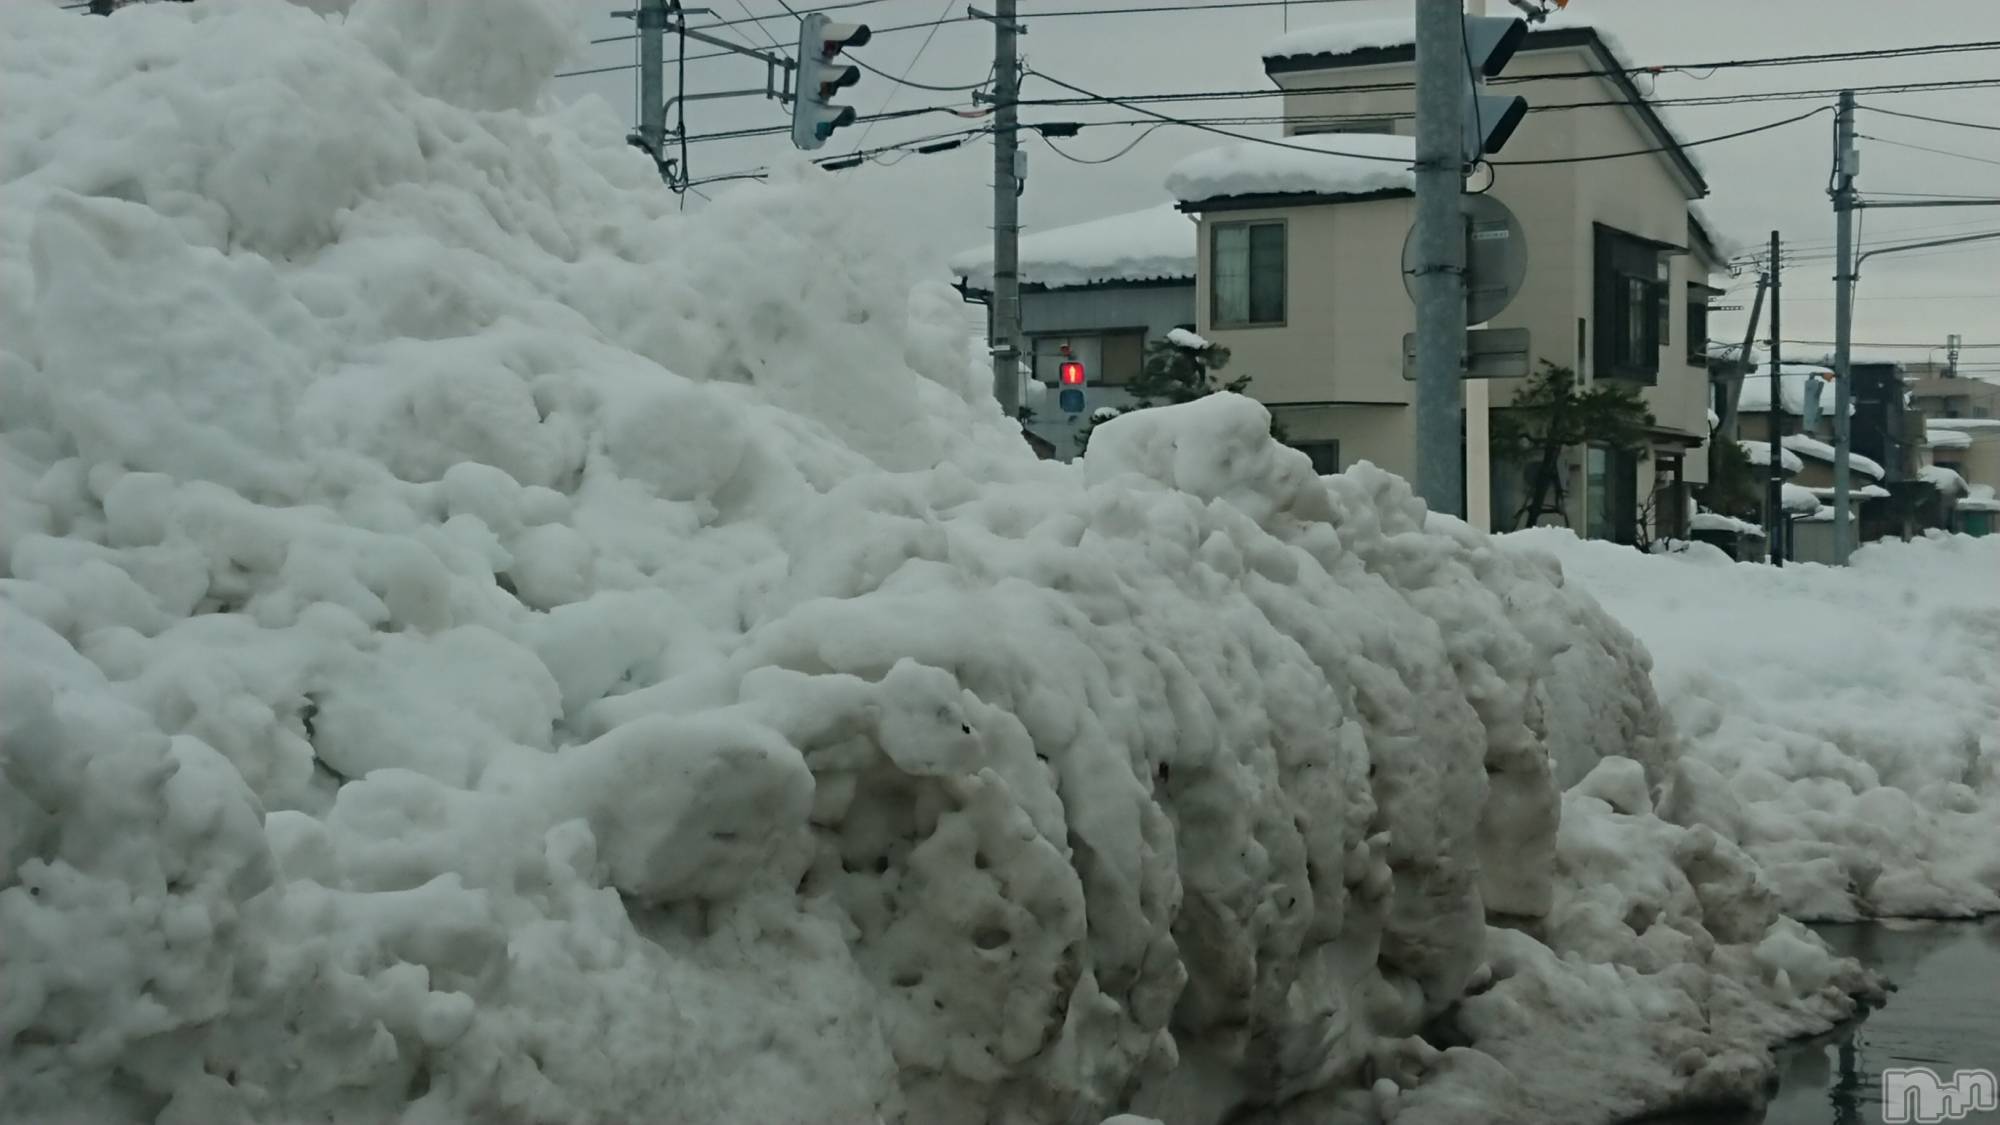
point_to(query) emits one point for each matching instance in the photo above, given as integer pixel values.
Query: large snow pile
(1334, 164)
(1842, 725)
(1156, 244)
(482, 646)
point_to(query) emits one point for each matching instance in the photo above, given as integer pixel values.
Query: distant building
(1096, 292)
(1301, 275)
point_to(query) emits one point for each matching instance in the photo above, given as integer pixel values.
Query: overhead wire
(1927, 148)
(1933, 120)
(1134, 143)
(903, 79)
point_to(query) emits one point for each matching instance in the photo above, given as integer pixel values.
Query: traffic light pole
(1006, 322)
(1774, 496)
(1843, 323)
(1439, 282)
(652, 21)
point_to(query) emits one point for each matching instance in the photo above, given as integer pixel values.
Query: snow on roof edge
(1155, 243)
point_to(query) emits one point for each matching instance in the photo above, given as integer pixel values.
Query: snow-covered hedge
(483, 646)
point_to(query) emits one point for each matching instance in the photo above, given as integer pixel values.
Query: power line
(1933, 120)
(903, 79)
(1214, 129)
(1057, 149)
(1665, 148)
(1926, 148)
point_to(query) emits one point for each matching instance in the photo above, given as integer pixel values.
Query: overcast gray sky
(932, 206)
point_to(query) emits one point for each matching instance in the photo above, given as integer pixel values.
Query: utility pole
(1845, 164)
(1439, 283)
(1004, 341)
(1728, 424)
(652, 20)
(1774, 496)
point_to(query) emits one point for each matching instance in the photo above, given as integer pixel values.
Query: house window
(1697, 325)
(1325, 455)
(1247, 265)
(1371, 125)
(1629, 294)
(1665, 307)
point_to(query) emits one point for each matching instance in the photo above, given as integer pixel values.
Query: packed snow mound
(482, 646)
(1841, 725)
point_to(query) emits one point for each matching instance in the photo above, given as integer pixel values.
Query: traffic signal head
(1070, 379)
(1490, 41)
(814, 117)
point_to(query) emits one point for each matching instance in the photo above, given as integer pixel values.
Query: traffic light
(814, 118)
(1490, 41)
(1071, 378)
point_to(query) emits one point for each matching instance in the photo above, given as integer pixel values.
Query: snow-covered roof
(1716, 521)
(1759, 453)
(1156, 244)
(1346, 36)
(1945, 479)
(1755, 397)
(1331, 164)
(1968, 425)
(1941, 438)
(1798, 500)
(1725, 243)
(1820, 451)
(1979, 498)
(1865, 492)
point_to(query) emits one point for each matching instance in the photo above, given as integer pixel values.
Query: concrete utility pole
(1774, 502)
(1440, 254)
(652, 20)
(1004, 341)
(1846, 163)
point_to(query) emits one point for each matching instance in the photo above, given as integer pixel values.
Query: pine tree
(1174, 373)
(1550, 414)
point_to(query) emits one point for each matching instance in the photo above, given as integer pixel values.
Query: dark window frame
(1625, 272)
(1325, 454)
(1251, 318)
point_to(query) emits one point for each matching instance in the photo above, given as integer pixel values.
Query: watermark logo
(1918, 1094)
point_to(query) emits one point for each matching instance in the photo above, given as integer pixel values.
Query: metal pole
(652, 83)
(1844, 158)
(1440, 244)
(1006, 324)
(1774, 497)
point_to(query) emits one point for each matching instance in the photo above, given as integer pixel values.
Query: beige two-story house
(1299, 270)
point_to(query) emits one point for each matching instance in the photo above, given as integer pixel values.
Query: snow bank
(1939, 437)
(483, 646)
(1334, 164)
(1863, 781)
(1155, 244)
(1820, 451)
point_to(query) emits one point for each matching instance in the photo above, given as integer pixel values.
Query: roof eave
(1279, 199)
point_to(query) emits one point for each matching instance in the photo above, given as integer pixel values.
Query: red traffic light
(1072, 373)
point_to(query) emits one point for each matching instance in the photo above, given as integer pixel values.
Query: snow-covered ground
(482, 645)
(1842, 725)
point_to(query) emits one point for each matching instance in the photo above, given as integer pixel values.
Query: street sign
(1491, 353)
(1496, 258)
